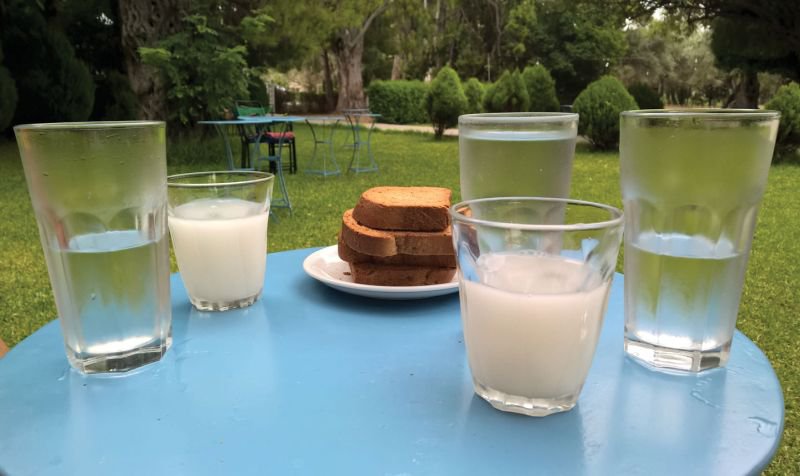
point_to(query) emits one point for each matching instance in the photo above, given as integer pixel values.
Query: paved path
(452, 132)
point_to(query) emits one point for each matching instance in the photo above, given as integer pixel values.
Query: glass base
(120, 361)
(677, 359)
(203, 305)
(537, 407)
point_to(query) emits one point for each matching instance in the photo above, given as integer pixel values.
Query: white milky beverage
(531, 325)
(220, 246)
(515, 163)
(112, 294)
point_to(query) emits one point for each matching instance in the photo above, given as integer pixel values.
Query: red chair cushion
(277, 135)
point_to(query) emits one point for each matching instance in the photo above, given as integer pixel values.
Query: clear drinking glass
(692, 182)
(99, 194)
(525, 154)
(218, 224)
(534, 276)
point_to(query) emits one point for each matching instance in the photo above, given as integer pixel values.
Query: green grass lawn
(770, 304)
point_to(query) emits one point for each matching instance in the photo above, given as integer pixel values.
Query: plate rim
(369, 288)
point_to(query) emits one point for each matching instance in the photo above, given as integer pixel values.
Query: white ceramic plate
(326, 267)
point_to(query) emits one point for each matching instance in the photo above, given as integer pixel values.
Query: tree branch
(365, 26)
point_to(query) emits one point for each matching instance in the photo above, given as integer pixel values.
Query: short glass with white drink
(218, 223)
(534, 277)
(692, 182)
(99, 195)
(526, 154)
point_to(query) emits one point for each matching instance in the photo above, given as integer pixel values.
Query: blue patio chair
(286, 137)
(272, 162)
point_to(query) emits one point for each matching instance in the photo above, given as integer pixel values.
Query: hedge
(399, 101)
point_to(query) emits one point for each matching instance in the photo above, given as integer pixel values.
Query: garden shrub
(52, 83)
(541, 89)
(445, 100)
(399, 101)
(508, 94)
(473, 90)
(114, 100)
(787, 101)
(599, 106)
(257, 91)
(203, 75)
(645, 96)
(8, 95)
(8, 98)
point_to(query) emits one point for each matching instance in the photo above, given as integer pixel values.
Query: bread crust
(374, 242)
(404, 208)
(399, 275)
(352, 256)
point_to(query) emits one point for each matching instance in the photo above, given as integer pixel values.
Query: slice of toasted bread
(404, 208)
(374, 242)
(399, 275)
(352, 256)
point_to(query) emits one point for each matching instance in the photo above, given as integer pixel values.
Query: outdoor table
(354, 118)
(310, 380)
(324, 146)
(239, 124)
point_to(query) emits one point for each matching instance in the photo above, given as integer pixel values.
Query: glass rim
(258, 177)
(517, 117)
(616, 213)
(709, 113)
(87, 125)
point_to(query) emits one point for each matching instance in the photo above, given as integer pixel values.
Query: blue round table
(313, 381)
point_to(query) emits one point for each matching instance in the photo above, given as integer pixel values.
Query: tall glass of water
(99, 192)
(692, 182)
(525, 154)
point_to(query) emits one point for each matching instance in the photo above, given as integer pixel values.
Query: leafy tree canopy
(204, 75)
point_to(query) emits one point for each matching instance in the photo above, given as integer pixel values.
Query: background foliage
(399, 102)
(645, 96)
(474, 90)
(204, 76)
(8, 95)
(787, 101)
(445, 100)
(52, 83)
(508, 94)
(711, 53)
(541, 89)
(599, 106)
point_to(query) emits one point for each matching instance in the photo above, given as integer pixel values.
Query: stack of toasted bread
(399, 236)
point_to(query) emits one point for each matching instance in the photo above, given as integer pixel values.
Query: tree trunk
(745, 96)
(439, 17)
(145, 22)
(349, 49)
(351, 85)
(327, 82)
(397, 67)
